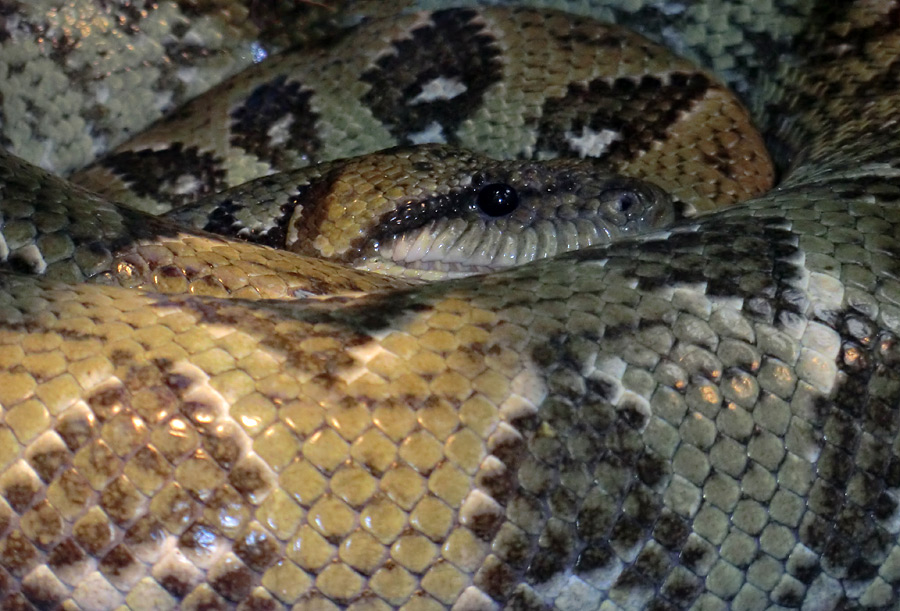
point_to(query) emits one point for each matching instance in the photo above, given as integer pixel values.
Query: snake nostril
(497, 199)
(621, 205)
(627, 202)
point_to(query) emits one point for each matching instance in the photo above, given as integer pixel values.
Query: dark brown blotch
(16, 602)
(117, 562)
(204, 600)
(94, 533)
(496, 579)
(694, 554)
(513, 546)
(120, 500)
(65, 556)
(257, 549)
(20, 494)
(175, 585)
(145, 536)
(75, 428)
(42, 593)
(47, 463)
(249, 478)
(594, 556)
(671, 531)
(222, 445)
(258, 602)
(233, 584)
(18, 555)
(653, 562)
(597, 516)
(108, 402)
(652, 469)
(682, 588)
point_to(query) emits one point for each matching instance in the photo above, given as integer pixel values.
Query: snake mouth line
(458, 247)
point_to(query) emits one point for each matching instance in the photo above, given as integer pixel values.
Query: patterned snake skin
(704, 418)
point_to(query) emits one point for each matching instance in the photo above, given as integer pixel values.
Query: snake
(699, 417)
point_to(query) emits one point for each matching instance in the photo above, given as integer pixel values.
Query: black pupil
(497, 199)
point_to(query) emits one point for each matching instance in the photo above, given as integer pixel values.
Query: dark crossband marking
(177, 174)
(277, 124)
(434, 79)
(619, 120)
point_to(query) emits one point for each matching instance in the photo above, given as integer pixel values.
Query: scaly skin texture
(703, 419)
(500, 82)
(80, 77)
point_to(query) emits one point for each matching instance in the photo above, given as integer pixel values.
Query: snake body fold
(456, 77)
(705, 417)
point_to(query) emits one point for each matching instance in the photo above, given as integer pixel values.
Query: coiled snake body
(702, 418)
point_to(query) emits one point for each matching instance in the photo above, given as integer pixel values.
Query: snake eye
(497, 199)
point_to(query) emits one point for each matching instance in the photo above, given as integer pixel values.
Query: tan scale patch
(368, 482)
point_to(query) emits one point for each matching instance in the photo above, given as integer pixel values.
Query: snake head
(484, 214)
(431, 211)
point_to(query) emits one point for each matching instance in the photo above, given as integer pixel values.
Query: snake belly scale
(702, 418)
